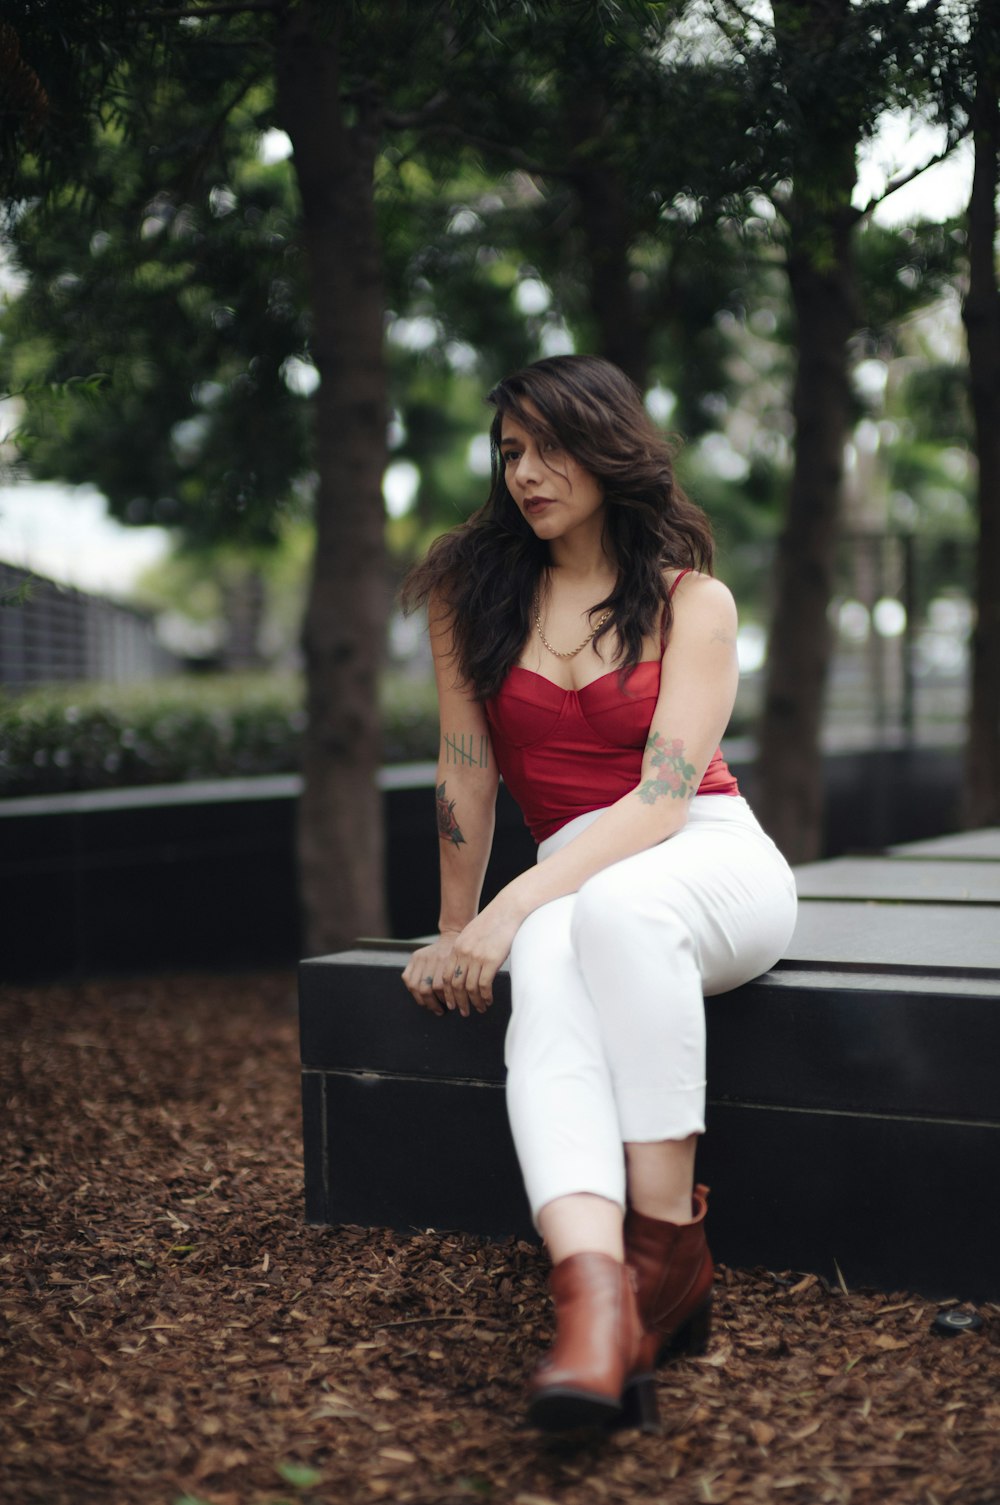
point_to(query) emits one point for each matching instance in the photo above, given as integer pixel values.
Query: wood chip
(382, 1366)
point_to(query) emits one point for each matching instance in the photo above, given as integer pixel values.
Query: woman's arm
(697, 691)
(465, 794)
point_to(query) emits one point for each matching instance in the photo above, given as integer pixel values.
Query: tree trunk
(622, 332)
(606, 222)
(981, 312)
(789, 790)
(244, 597)
(340, 822)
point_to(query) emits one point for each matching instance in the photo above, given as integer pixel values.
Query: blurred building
(51, 633)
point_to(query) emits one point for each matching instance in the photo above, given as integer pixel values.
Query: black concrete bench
(854, 1111)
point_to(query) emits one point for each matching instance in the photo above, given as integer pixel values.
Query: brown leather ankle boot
(674, 1281)
(598, 1337)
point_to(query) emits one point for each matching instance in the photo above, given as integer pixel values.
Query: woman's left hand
(479, 952)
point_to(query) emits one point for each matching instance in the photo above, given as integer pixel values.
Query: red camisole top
(563, 752)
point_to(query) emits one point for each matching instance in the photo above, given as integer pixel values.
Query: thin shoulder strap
(677, 580)
(663, 624)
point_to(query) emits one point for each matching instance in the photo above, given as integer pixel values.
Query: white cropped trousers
(606, 1043)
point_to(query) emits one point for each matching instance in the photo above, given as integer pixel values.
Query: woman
(584, 651)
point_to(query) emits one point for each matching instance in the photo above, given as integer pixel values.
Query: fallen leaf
(809, 1430)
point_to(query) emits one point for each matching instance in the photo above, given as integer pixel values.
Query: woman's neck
(576, 559)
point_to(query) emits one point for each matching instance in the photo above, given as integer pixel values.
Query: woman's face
(555, 494)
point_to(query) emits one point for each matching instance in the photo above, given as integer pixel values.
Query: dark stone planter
(204, 875)
(197, 875)
(149, 879)
(849, 1089)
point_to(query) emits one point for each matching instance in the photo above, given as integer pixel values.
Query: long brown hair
(487, 572)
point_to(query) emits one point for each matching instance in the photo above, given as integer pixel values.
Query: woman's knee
(601, 901)
(616, 910)
(542, 938)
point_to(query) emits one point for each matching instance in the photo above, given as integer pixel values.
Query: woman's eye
(552, 447)
(510, 457)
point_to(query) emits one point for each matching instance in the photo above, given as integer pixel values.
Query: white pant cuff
(540, 1195)
(647, 1115)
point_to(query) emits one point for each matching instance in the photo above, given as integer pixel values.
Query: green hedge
(169, 731)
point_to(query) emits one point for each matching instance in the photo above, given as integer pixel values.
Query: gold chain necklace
(588, 639)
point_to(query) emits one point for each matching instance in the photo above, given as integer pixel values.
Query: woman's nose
(527, 466)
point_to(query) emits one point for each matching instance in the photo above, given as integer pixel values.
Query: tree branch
(745, 18)
(195, 13)
(929, 8)
(416, 118)
(512, 153)
(908, 177)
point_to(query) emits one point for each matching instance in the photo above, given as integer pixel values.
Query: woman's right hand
(424, 972)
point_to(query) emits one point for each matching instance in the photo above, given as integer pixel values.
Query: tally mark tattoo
(673, 774)
(448, 827)
(472, 751)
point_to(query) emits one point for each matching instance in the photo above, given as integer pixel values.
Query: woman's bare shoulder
(689, 585)
(699, 598)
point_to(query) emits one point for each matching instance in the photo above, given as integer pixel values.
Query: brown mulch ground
(172, 1331)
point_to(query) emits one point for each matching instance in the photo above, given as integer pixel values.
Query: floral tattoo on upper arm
(448, 827)
(673, 775)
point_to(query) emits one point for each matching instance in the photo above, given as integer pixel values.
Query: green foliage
(936, 398)
(166, 290)
(70, 738)
(16, 595)
(521, 140)
(745, 516)
(94, 736)
(206, 586)
(902, 270)
(62, 67)
(299, 1475)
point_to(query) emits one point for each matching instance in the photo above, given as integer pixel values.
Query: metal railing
(53, 633)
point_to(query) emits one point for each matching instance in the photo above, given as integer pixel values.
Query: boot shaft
(674, 1274)
(598, 1339)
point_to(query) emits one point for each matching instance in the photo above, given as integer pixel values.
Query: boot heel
(639, 1405)
(692, 1338)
